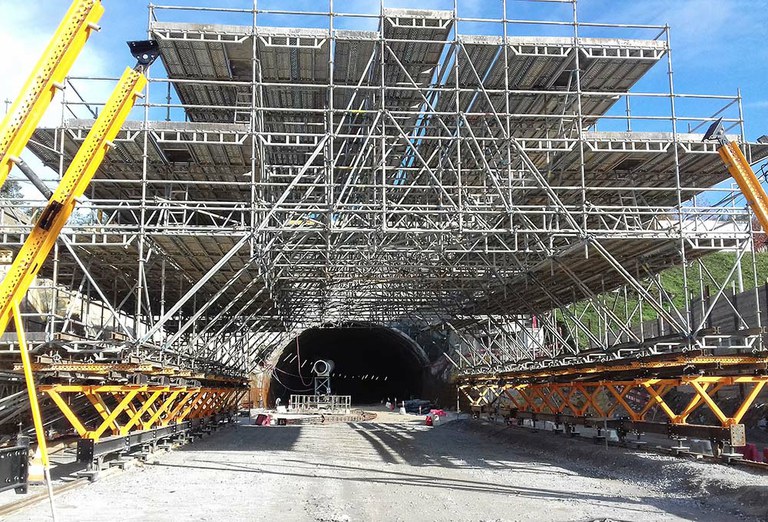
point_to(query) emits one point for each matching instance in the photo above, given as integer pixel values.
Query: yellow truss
(123, 409)
(93, 368)
(86, 162)
(604, 398)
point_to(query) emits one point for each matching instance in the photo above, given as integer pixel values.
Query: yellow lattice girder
(540, 397)
(101, 408)
(111, 419)
(173, 414)
(72, 186)
(126, 408)
(136, 418)
(46, 78)
(64, 407)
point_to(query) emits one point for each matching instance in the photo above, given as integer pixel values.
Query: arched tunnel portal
(372, 363)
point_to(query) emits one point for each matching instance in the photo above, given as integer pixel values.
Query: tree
(11, 189)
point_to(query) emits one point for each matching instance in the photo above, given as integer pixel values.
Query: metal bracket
(715, 132)
(14, 468)
(145, 52)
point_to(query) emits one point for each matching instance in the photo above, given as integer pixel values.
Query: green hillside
(718, 264)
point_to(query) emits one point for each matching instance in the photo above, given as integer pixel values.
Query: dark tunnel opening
(372, 363)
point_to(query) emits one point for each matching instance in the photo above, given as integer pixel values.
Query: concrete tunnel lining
(371, 363)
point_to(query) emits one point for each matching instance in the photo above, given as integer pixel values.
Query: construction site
(380, 260)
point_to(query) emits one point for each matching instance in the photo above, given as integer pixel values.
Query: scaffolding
(492, 178)
(320, 403)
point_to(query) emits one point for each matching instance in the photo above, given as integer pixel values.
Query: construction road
(460, 470)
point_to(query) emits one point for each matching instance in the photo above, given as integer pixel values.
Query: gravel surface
(394, 470)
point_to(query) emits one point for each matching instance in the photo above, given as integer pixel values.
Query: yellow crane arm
(741, 171)
(47, 76)
(43, 237)
(748, 183)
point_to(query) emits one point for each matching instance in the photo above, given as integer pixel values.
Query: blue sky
(718, 45)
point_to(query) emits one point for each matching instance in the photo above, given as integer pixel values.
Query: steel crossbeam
(608, 399)
(122, 409)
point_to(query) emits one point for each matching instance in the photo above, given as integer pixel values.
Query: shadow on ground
(460, 445)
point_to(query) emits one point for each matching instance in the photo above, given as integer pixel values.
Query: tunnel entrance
(372, 363)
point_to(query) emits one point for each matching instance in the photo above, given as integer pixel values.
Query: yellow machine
(741, 171)
(62, 203)
(16, 131)
(46, 79)
(43, 237)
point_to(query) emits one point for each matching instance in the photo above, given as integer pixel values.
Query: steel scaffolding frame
(286, 177)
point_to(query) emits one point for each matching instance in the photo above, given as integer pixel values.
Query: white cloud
(26, 30)
(710, 32)
(24, 34)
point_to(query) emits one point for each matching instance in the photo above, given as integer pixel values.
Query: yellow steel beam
(110, 421)
(163, 408)
(718, 360)
(205, 406)
(565, 398)
(108, 388)
(748, 400)
(692, 405)
(696, 401)
(235, 396)
(144, 424)
(512, 398)
(174, 413)
(620, 400)
(163, 405)
(136, 418)
(131, 409)
(539, 392)
(711, 403)
(80, 172)
(540, 398)
(31, 391)
(189, 408)
(46, 78)
(98, 368)
(587, 398)
(101, 408)
(68, 413)
(748, 183)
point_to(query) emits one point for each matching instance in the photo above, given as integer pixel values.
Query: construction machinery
(742, 172)
(46, 80)
(160, 407)
(17, 129)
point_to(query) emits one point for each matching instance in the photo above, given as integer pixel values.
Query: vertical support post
(678, 185)
(33, 404)
(253, 129)
(580, 117)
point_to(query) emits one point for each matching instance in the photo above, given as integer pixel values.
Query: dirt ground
(394, 470)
